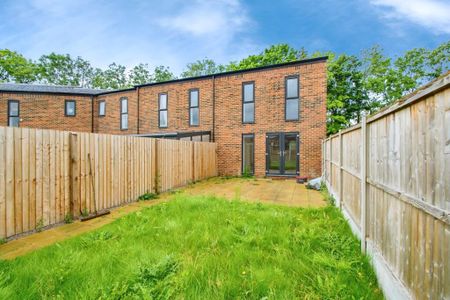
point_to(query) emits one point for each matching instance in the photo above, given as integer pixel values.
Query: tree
(62, 69)
(202, 67)
(114, 77)
(16, 68)
(140, 74)
(162, 73)
(275, 54)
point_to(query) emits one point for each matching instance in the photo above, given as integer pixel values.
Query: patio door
(282, 153)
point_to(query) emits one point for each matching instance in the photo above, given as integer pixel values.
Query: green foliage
(162, 73)
(68, 218)
(202, 67)
(62, 69)
(16, 68)
(2, 241)
(147, 196)
(39, 225)
(247, 173)
(201, 248)
(140, 74)
(114, 77)
(85, 212)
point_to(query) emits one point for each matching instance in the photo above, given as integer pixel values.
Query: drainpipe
(137, 90)
(214, 109)
(92, 114)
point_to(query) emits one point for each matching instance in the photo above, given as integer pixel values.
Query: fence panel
(407, 191)
(48, 175)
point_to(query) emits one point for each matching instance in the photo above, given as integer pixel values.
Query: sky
(174, 33)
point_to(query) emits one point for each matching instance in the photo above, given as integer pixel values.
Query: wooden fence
(48, 175)
(391, 177)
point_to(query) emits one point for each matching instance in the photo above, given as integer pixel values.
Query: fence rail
(391, 177)
(48, 175)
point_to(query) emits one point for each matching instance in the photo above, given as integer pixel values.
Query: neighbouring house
(267, 121)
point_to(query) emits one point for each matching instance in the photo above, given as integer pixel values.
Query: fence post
(73, 175)
(341, 171)
(363, 183)
(156, 180)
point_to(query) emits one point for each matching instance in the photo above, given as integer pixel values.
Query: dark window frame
(9, 110)
(164, 109)
(190, 106)
(99, 104)
(253, 102)
(244, 135)
(122, 113)
(74, 108)
(286, 98)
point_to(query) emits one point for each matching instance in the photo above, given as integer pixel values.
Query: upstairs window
(162, 110)
(102, 108)
(292, 98)
(13, 113)
(248, 102)
(194, 107)
(123, 114)
(70, 108)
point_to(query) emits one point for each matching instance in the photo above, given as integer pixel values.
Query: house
(267, 121)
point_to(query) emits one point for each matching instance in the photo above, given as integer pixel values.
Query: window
(248, 102)
(292, 98)
(13, 113)
(70, 108)
(123, 114)
(101, 108)
(162, 107)
(193, 107)
(248, 154)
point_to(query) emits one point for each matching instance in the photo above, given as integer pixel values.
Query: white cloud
(171, 33)
(432, 14)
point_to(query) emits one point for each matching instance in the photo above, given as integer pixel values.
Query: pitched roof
(54, 89)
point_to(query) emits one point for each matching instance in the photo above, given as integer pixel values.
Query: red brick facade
(220, 107)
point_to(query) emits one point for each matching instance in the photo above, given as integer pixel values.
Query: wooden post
(341, 171)
(73, 187)
(156, 177)
(363, 184)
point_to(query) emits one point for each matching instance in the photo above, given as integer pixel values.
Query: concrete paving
(283, 192)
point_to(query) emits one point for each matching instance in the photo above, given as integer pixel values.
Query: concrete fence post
(341, 171)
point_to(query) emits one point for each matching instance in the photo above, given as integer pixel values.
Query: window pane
(247, 155)
(292, 88)
(162, 101)
(101, 108)
(193, 116)
(13, 108)
(163, 118)
(248, 92)
(124, 106)
(124, 119)
(292, 109)
(14, 121)
(194, 98)
(70, 108)
(249, 112)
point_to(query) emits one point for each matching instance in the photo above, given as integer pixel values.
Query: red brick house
(268, 121)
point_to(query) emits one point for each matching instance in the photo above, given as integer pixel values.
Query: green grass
(201, 248)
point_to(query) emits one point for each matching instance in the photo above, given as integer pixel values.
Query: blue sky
(174, 33)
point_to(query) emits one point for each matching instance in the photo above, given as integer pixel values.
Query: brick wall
(110, 123)
(270, 117)
(47, 111)
(178, 106)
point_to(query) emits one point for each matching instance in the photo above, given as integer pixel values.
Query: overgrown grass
(201, 248)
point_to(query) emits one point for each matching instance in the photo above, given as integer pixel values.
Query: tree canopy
(356, 84)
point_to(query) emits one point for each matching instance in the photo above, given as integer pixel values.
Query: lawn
(201, 247)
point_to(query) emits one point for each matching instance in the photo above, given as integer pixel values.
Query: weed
(328, 197)
(68, 218)
(2, 241)
(85, 212)
(247, 173)
(39, 225)
(147, 196)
